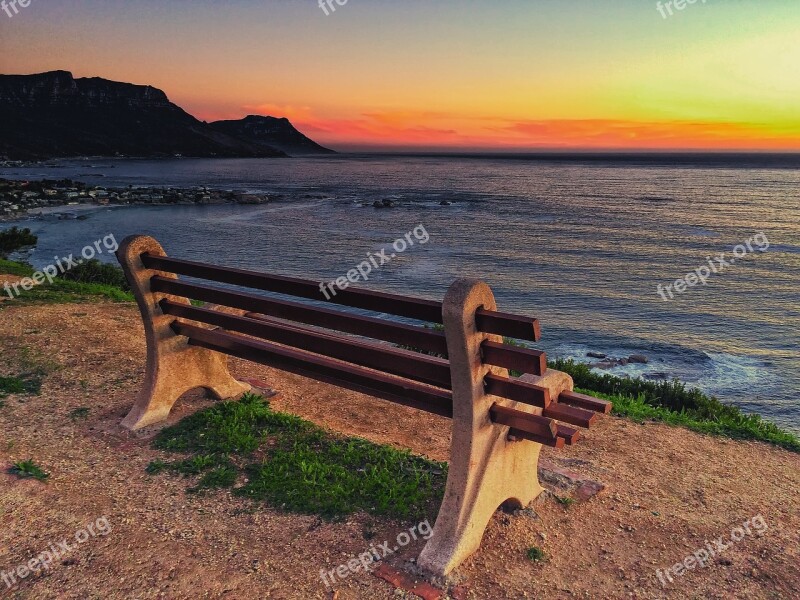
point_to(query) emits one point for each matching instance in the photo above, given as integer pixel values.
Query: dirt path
(669, 490)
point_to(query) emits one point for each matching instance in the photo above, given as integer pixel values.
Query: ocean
(581, 242)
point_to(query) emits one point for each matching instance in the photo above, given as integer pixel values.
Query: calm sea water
(582, 244)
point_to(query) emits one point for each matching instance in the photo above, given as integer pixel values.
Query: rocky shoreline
(38, 198)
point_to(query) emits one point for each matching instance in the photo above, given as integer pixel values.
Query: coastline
(47, 197)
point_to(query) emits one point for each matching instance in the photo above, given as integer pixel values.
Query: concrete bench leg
(486, 469)
(173, 367)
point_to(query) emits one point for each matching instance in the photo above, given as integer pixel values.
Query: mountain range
(52, 115)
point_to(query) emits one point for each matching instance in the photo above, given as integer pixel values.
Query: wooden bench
(499, 422)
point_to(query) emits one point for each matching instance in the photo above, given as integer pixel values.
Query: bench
(500, 423)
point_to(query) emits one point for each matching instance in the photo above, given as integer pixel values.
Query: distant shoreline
(21, 199)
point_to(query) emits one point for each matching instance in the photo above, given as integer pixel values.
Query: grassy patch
(565, 501)
(25, 384)
(300, 467)
(94, 271)
(28, 469)
(737, 426)
(9, 267)
(536, 554)
(62, 291)
(71, 292)
(79, 413)
(34, 367)
(671, 402)
(36, 362)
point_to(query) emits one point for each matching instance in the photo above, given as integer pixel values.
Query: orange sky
(508, 74)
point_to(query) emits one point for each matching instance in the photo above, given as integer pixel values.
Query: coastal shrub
(94, 271)
(673, 395)
(732, 424)
(15, 239)
(671, 402)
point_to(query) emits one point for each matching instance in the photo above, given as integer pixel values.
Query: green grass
(294, 465)
(9, 267)
(34, 367)
(60, 291)
(671, 402)
(94, 271)
(79, 413)
(30, 384)
(565, 501)
(741, 426)
(536, 554)
(72, 292)
(28, 469)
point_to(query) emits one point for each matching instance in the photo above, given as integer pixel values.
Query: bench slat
(557, 442)
(506, 324)
(412, 365)
(525, 360)
(372, 327)
(584, 401)
(569, 414)
(320, 368)
(519, 391)
(525, 328)
(570, 435)
(413, 308)
(541, 426)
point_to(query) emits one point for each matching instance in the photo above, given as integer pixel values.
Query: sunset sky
(438, 74)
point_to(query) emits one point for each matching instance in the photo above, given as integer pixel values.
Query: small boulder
(595, 355)
(655, 376)
(606, 364)
(638, 358)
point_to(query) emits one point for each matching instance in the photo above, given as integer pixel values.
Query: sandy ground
(669, 490)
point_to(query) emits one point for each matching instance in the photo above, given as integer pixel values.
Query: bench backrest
(323, 353)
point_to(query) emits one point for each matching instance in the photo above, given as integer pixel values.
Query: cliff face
(272, 132)
(55, 115)
(59, 88)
